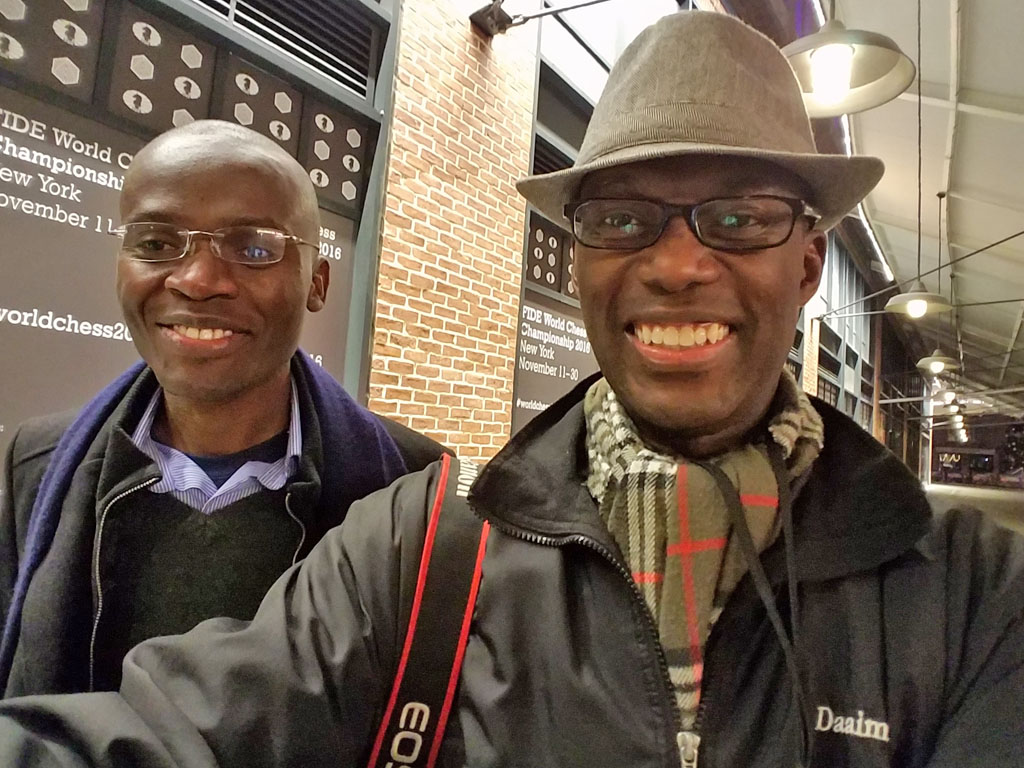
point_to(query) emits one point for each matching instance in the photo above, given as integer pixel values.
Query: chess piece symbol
(137, 102)
(187, 87)
(146, 34)
(279, 130)
(324, 123)
(10, 48)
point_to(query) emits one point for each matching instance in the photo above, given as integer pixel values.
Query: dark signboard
(61, 333)
(553, 355)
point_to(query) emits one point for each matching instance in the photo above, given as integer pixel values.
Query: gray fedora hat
(703, 83)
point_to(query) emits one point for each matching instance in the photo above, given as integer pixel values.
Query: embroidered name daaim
(864, 728)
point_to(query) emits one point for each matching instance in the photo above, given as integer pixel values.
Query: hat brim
(837, 182)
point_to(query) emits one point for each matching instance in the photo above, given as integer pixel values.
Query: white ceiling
(972, 110)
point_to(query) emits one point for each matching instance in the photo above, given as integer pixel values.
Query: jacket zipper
(302, 527)
(96, 575)
(687, 742)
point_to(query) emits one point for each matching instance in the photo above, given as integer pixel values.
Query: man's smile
(680, 335)
(201, 333)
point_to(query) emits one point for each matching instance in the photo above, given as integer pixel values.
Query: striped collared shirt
(188, 483)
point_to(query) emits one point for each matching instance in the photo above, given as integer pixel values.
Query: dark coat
(912, 647)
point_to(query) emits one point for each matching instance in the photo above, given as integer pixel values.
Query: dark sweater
(178, 566)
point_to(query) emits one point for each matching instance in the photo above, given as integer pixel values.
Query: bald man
(186, 487)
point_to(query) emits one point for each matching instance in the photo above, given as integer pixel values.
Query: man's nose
(200, 274)
(678, 260)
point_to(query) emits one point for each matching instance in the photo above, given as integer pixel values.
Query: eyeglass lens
(155, 241)
(727, 224)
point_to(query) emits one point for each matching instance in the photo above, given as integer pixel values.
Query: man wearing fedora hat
(685, 561)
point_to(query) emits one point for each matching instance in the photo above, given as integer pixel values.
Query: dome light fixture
(918, 302)
(937, 363)
(842, 70)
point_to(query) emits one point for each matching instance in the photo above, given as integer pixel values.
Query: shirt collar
(167, 458)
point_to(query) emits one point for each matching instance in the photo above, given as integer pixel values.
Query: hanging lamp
(938, 361)
(918, 301)
(847, 70)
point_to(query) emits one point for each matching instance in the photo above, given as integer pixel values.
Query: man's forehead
(191, 178)
(694, 175)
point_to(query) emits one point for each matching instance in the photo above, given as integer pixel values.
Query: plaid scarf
(671, 524)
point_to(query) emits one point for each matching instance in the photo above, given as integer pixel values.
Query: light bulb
(949, 396)
(830, 72)
(958, 420)
(917, 308)
(954, 408)
(936, 366)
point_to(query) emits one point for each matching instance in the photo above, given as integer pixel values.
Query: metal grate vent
(328, 36)
(547, 159)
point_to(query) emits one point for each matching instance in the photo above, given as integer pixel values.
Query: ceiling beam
(969, 103)
(1013, 340)
(1015, 206)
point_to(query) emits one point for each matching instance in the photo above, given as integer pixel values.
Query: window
(828, 391)
(794, 367)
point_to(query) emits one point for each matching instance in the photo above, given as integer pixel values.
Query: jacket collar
(856, 508)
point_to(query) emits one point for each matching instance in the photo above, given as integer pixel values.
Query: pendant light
(939, 362)
(847, 70)
(918, 301)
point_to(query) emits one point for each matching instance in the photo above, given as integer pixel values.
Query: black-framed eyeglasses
(253, 246)
(734, 224)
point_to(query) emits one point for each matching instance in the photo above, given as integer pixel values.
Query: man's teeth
(691, 335)
(205, 334)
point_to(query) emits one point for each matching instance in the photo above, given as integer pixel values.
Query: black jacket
(911, 653)
(59, 625)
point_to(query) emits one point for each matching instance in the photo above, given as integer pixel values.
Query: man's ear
(318, 287)
(815, 247)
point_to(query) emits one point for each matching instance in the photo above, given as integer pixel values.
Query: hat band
(689, 122)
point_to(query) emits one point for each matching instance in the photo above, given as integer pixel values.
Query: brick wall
(444, 333)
